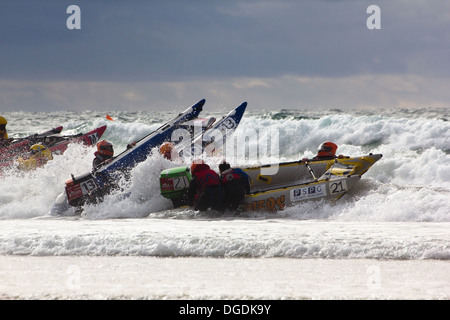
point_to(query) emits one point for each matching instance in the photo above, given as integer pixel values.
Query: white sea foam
(400, 209)
(415, 161)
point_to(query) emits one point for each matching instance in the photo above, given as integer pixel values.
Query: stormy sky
(291, 54)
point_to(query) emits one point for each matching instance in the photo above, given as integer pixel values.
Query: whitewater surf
(397, 214)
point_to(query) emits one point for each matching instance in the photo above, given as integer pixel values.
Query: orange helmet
(196, 163)
(105, 147)
(327, 149)
(166, 149)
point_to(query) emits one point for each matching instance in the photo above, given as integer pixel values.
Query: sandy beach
(127, 277)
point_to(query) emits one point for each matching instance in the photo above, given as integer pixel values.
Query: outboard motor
(81, 189)
(174, 185)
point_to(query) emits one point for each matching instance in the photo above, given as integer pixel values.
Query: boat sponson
(278, 199)
(280, 175)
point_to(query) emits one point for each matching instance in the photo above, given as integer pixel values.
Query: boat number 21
(338, 187)
(180, 183)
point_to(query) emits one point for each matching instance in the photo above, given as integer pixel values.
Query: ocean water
(399, 211)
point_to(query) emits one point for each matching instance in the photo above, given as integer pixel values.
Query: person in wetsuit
(39, 156)
(205, 190)
(235, 184)
(105, 152)
(327, 151)
(4, 139)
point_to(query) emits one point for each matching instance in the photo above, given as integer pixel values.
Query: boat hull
(275, 187)
(280, 175)
(92, 186)
(56, 144)
(279, 199)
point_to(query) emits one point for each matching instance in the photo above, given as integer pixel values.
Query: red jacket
(205, 176)
(202, 177)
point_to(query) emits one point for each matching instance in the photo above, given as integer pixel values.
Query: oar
(310, 170)
(39, 135)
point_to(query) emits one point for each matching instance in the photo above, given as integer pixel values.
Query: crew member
(40, 155)
(326, 151)
(205, 190)
(4, 140)
(104, 153)
(235, 183)
(167, 150)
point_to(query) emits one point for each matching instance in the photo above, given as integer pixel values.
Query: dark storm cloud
(154, 40)
(273, 53)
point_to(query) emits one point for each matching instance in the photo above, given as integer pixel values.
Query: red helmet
(105, 147)
(327, 149)
(195, 163)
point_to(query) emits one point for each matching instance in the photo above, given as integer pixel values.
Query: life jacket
(205, 177)
(35, 161)
(230, 175)
(99, 159)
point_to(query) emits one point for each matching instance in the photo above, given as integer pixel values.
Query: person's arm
(96, 163)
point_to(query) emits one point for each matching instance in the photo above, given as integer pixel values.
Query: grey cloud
(151, 40)
(181, 48)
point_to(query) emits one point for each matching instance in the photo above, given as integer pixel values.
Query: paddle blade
(109, 118)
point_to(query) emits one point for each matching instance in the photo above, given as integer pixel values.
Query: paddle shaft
(310, 170)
